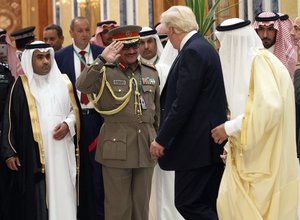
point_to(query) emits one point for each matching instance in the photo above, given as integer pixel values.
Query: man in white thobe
(260, 178)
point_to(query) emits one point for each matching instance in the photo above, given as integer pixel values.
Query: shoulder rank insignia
(148, 81)
(148, 65)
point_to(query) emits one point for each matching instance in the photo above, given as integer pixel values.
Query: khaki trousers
(127, 193)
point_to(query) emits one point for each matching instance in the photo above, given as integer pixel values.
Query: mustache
(131, 53)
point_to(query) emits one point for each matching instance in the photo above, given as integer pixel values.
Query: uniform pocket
(148, 95)
(119, 92)
(114, 147)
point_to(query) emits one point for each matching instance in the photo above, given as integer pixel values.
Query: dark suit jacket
(193, 102)
(65, 60)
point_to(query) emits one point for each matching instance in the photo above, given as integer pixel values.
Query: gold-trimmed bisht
(9, 117)
(33, 113)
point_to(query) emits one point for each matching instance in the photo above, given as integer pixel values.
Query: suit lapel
(71, 66)
(94, 53)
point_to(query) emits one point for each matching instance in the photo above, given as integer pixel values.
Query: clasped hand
(156, 149)
(219, 134)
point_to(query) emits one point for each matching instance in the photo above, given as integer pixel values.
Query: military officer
(126, 92)
(22, 37)
(8, 69)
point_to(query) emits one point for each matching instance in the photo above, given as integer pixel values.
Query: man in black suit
(193, 102)
(72, 60)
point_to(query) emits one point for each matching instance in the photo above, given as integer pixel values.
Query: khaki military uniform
(126, 134)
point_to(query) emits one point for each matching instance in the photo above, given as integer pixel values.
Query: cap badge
(128, 33)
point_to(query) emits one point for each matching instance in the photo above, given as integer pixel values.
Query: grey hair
(181, 18)
(76, 19)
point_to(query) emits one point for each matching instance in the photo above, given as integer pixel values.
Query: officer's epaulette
(148, 65)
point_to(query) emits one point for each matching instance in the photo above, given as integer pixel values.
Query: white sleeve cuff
(71, 125)
(233, 125)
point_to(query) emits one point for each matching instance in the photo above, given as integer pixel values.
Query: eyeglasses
(128, 46)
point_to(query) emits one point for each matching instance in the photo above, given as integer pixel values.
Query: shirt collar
(186, 38)
(153, 60)
(77, 49)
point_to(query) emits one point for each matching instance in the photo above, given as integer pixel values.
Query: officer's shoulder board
(148, 65)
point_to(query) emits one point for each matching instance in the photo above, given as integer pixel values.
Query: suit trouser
(91, 125)
(127, 193)
(196, 192)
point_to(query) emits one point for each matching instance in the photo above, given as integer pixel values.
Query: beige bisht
(260, 179)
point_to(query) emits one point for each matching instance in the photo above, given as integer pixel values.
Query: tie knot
(82, 53)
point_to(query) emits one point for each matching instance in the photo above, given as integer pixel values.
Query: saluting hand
(111, 52)
(60, 131)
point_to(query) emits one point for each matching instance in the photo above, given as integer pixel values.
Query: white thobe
(54, 107)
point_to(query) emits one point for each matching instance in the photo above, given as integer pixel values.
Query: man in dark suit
(193, 102)
(72, 60)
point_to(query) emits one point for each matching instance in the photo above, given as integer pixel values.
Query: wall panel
(15, 14)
